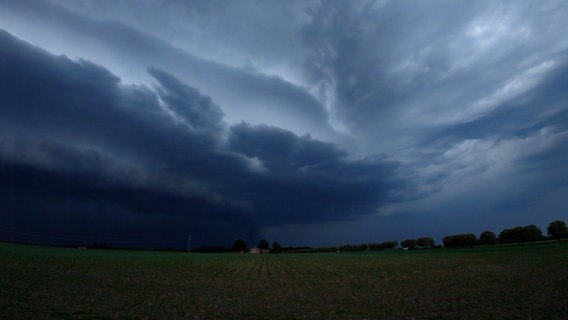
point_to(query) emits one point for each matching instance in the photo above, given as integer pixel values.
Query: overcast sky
(303, 122)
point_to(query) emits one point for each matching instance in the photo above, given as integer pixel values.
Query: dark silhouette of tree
(239, 245)
(276, 248)
(506, 236)
(469, 240)
(425, 242)
(460, 240)
(557, 230)
(408, 243)
(530, 233)
(263, 245)
(487, 238)
(387, 245)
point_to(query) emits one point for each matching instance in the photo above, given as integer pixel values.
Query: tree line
(386, 245)
(521, 234)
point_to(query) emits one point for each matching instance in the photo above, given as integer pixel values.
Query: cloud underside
(313, 115)
(133, 153)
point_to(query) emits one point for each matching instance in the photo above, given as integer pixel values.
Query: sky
(320, 123)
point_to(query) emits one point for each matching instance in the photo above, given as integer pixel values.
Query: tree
(263, 245)
(557, 230)
(387, 245)
(487, 238)
(506, 236)
(239, 246)
(460, 240)
(408, 243)
(425, 242)
(531, 233)
(469, 240)
(276, 248)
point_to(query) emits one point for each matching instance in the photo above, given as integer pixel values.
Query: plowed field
(524, 282)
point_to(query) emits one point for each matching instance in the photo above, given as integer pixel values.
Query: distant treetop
(557, 230)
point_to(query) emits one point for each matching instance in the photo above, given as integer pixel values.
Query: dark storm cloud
(245, 95)
(71, 129)
(197, 111)
(307, 177)
(60, 208)
(464, 103)
(280, 149)
(73, 139)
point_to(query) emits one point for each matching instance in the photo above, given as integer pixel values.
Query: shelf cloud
(305, 122)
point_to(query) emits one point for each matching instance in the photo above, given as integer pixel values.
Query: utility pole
(189, 242)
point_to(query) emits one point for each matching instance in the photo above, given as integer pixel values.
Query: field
(522, 282)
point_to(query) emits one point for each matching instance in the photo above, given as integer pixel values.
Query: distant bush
(299, 250)
(386, 245)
